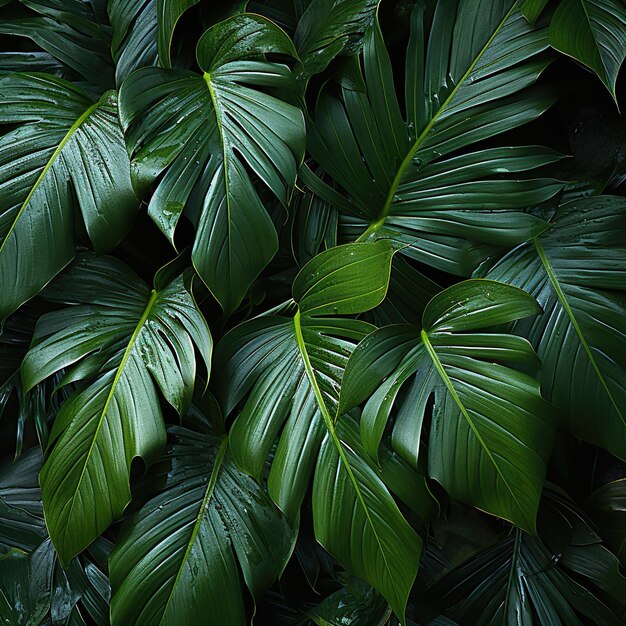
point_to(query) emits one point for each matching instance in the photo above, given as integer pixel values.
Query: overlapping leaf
(291, 370)
(209, 135)
(548, 580)
(64, 156)
(491, 431)
(577, 273)
(179, 559)
(143, 31)
(21, 515)
(404, 177)
(75, 32)
(592, 32)
(124, 341)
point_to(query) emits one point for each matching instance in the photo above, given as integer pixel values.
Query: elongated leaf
(491, 430)
(143, 31)
(532, 9)
(65, 153)
(291, 370)
(594, 33)
(179, 559)
(206, 133)
(124, 341)
(577, 273)
(405, 178)
(74, 32)
(267, 359)
(25, 583)
(608, 507)
(358, 522)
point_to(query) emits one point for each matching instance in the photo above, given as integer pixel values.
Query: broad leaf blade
(592, 32)
(126, 351)
(222, 128)
(67, 153)
(179, 558)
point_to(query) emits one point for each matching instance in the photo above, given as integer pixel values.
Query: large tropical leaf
(207, 133)
(491, 431)
(592, 32)
(406, 178)
(143, 31)
(76, 32)
(64, 153)
(549, 580)
(577, 273)
(180, 558)
(290, 370)
(123, 341)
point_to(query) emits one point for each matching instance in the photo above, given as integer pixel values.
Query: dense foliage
(312, 312)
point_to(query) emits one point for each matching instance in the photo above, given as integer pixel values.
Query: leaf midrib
(457, 400)
(225, 157)
(208, 494)
(116, 379)
(68, 135)
(329, 422)
(376, 225)
(562, 298)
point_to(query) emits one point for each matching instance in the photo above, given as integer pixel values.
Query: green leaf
(25, 583)
(21, 515)
(290, 370)
(576, 272)
(495, 411)
(329, 28)
(529, 580)
(425, 180)
(179, 557)
(123, 341)
(592, 32)
(532, 9)
(264, 361)
(608, 509)
(74, 32)
(64, 155)
(358, 522)
(344, 280)
(355, 603)
(219, 129)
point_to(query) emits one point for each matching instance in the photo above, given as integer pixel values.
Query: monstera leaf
(207, 133)
(122, 340)
(66, 153)
(290, 370)
(547, 580)
(491, 431)
(423, 180)
(576, 272)
(179, 561)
